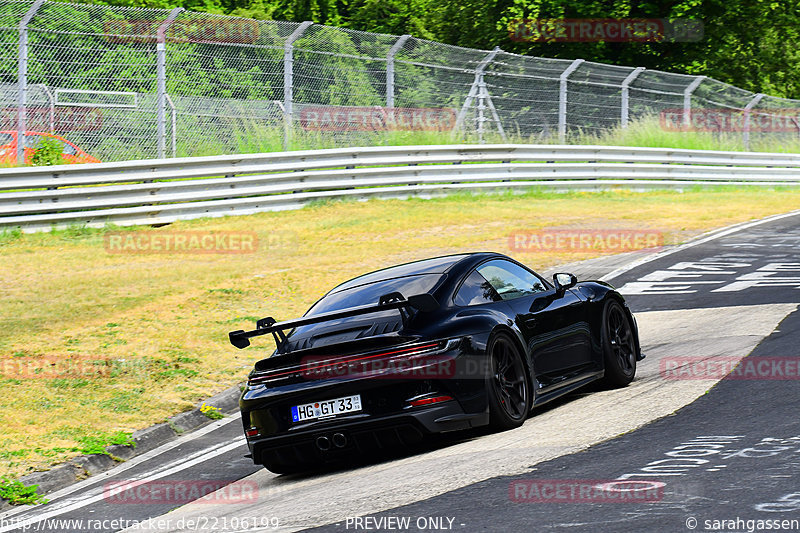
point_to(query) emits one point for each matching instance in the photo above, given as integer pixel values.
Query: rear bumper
(387, 418)
(362, 434)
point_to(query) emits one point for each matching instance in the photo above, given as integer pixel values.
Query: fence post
(22, 80)
(481, 107)
(625, 96)
(288, 80)
(562, 99)
(495, 116)
(161, 80)
(174, 124)
(687, 100)
(746, 130)
(390, 68)
(476, 91)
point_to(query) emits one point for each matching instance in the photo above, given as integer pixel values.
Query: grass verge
(646, 131)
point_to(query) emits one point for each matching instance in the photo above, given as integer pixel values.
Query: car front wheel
(619, 346)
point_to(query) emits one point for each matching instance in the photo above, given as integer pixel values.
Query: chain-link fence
(125, 83)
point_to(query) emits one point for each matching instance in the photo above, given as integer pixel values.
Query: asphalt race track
(668, 453)
(734, 454)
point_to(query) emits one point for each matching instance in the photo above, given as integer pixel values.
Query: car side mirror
(564, 281)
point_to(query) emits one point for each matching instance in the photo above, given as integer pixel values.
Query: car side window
(476, 290)
(32, 141)
(510, 280)
(69, 149)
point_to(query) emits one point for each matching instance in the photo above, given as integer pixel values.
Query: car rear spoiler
(394, 300)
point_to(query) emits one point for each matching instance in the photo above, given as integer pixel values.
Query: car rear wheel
(509, 391)
(620, 349)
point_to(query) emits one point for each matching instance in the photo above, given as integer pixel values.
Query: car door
(552, 323)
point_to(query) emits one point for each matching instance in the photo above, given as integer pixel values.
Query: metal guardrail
(160, 191)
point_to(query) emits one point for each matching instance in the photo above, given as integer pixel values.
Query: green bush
(18, 494)
(48, 152)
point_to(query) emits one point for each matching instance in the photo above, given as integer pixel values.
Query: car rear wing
(394, 300)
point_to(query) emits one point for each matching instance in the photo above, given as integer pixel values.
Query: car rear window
(370, 293)
(435, 265)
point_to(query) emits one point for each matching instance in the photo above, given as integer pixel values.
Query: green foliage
(747, 43)
(10, 235)
(19, 494)
(48, 152)
(96, 444)
(214, 413)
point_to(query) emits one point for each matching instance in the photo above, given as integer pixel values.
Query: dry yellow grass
(163, 319)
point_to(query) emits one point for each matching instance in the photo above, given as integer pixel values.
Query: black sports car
(432, 346)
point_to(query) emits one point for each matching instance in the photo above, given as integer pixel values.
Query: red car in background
(8, 148)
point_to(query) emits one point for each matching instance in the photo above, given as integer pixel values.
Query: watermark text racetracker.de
(610, 30)
(353, 118)
(585, 491)
(180, 492)
(211, 523)
(730, 120)
(63, 119)
(49, 367)
(679, 368)
(585, 240)
(194, 242)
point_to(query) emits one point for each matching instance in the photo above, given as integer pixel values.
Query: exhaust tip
(323, 443)
(339, 440)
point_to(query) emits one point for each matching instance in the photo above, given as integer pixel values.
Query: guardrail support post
(687, 100)
(625, 106)
(562, 99)
(390, 68)
(288, 81)
(746, 130)
(161, 80)
(22, 80)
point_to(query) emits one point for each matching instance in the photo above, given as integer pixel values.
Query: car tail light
(314, 366)
(427, 401)
(251, 432)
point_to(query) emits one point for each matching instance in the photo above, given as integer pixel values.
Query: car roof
(434, 265)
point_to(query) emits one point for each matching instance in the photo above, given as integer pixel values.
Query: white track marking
(701, 239)
(96, 496)
(135, 461)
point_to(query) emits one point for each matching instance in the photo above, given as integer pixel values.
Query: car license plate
(328, 408)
